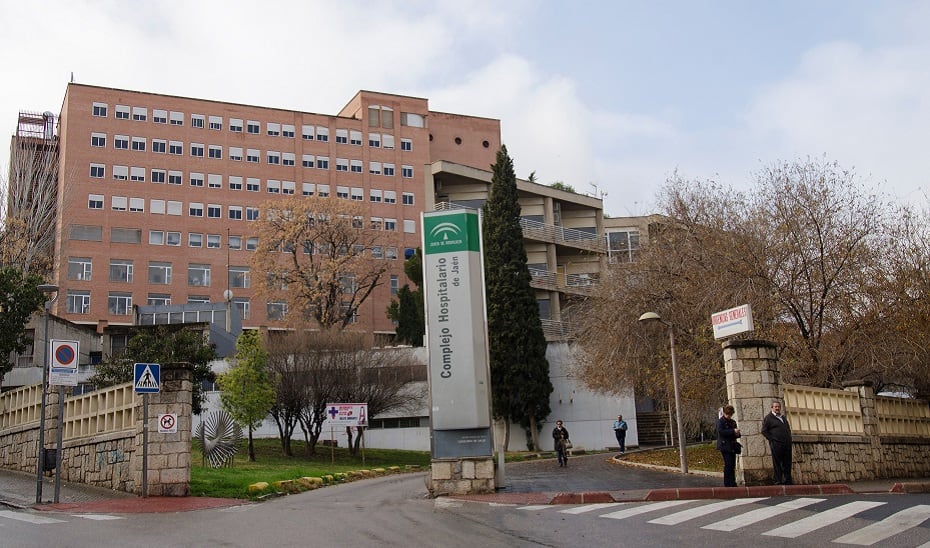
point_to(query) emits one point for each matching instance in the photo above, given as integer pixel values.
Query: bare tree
(316, 254)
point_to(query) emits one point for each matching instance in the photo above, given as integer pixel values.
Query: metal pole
(681, 437)
(40, 468)
(58, 451)
(145, 444)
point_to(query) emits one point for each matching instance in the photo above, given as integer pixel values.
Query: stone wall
(464, 476)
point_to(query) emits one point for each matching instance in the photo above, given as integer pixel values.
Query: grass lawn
(271, 465)
(700, 457)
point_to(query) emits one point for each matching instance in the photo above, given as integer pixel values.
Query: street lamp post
(651, 317)
(40, 467)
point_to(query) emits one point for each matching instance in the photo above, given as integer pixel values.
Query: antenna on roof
(72, 76)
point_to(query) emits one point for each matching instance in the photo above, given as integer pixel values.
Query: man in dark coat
(775, 429)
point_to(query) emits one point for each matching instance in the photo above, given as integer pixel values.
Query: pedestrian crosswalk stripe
(760, 514)
(692, 513)
(630, 512)
(29, 518)
(821, 519)
(890, 526)
(535, 507)
(97, 517)
(589, 508)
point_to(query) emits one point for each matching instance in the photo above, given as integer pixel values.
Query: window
(322, 162)
(273, 186)
(176, 147)
(195, 209)
(355, 138)
(214, 211)
(390, 253)
(374, 195)
(412, 120)
(322, 191)
(322, 133)
(342, 136)
(406, 145)
(374, 168)
(140, 114)
(274, 130)
(119, 304)
(251, 214)
(157, 207)
(121, 142)
(242, 305)
(253, 127)
(195, 239)
(137, 174)
(175, 178)
(118, 203)
(78, 301)
(235, 182)
(215, 152)
(358, 194)
(307, 189)
(251, 244)
(356, 166)
(196, 179)
(235, 125)
(235, 213)
(98, 140)
(159, 116)
(358, 222)
(136, 205)
(198, 275)
(395, 284)
(80, 268)
(287, 130)
(377, 223)
(410, 226)
(239, 276)
(406, 172)
(387, 141)
(235, 242)
(308, 160)
(158, 299)
(390, 197)
(121, 270)
(197, 150)
(176, 118)
(160, 273)
(197, 120)
(100, 110)
(623, 246)
(374, 140)
(159, 146)
(120, 173)
(377, 252)
(390, 225)
(389, 170)
(251, 155)
(307, 132)
(97, 171)
(342, 192)
(214, 241)
(342, 164)
(274, 158)
(95, 201)
(216, 122)
(156, 237)
(122, 112)
(173, 239)
(214, 180)
(174, 207)
(277, 311)
(288, 187)
(252, 184)
(287, 159)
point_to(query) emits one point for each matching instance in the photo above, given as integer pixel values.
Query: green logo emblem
(450, 231)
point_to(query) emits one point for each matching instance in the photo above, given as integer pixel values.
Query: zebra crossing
(756, 511)
(42, 519)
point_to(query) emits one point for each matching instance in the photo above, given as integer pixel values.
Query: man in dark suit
(775, 429)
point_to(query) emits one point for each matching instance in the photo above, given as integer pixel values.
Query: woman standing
(560, 435)
(727, 433)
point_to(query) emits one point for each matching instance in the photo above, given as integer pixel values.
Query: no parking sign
(64, 362)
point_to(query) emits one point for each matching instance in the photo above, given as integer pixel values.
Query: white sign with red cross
(347, 414)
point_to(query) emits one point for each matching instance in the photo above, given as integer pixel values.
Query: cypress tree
(520, 384)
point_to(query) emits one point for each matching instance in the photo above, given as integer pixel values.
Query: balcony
(556, 331)
(579, 284)
(536, 230)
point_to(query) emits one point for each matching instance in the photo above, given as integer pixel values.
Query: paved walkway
(586, 479)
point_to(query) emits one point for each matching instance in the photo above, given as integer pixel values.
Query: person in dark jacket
(560, 436)
(727, 434)
(775, 429)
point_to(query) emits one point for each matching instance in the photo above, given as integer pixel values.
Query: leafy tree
(559, 185)
(520, 384)
(315, 254)
(407, 310)
(19, 299)
(247, 391)
(161, 344)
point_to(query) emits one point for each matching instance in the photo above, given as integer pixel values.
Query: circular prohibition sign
(167, 422)
(64, 355)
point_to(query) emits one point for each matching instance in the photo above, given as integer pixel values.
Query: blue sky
(620, 94)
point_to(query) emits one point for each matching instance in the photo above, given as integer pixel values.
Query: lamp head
(47, 288)
(650, 317)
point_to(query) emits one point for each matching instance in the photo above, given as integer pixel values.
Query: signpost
(348, 415)
(732, 321)
(63, 372)
(146, 380)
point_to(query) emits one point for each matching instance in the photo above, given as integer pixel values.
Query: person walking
(775, 428)
(560, 436)
(620, 428)
(727, 434)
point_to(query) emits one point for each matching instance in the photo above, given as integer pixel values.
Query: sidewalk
(587, 479)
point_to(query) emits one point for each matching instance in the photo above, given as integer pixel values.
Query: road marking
(630, 512)
(535, 507)
(443, 502)
(760, 514)
(29, 518)
(692, 513)
(888, 527)
(589, 508)
(822, 519)
(97, 517)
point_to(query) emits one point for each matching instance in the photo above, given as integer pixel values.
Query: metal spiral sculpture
(218, 435)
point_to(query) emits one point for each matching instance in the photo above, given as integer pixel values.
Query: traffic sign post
(147, 380)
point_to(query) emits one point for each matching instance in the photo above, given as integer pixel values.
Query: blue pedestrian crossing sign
(147, 379)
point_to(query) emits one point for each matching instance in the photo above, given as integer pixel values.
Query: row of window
(133, 173)
(164, 146)
(378, 116)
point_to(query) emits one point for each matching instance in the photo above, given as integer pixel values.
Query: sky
(610, 97)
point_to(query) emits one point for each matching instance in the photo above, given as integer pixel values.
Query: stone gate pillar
(752, 378)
